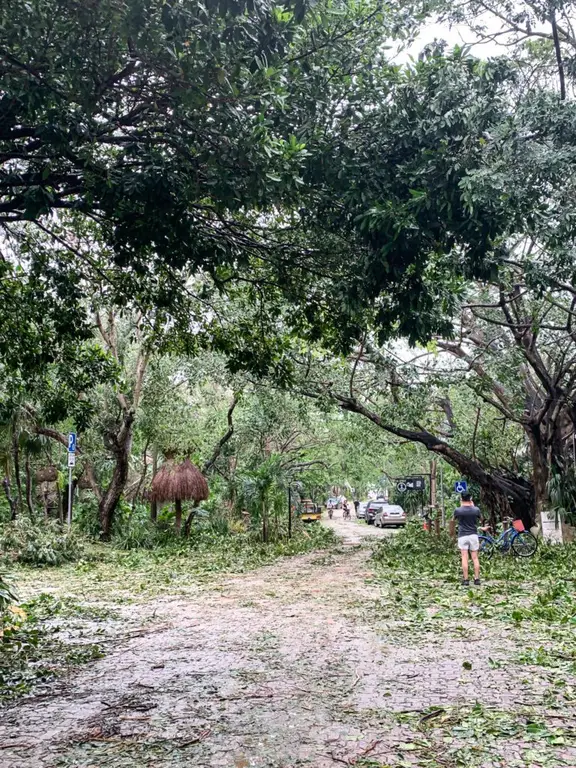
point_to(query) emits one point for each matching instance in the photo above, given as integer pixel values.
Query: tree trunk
(16, 459)
(540, 474)
(45, 493)
(60, 505)
(29, 502)
(11, 501)
(142, 478)
(121, 444)
(225, 437)
(178, 517)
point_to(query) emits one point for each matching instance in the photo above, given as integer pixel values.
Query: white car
(361, 513)
(390, 514)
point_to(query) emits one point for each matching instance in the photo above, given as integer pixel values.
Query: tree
(393, 393)
(118, 437)
(176, 129)
(541, 33)
(521, 349)
(514, 350)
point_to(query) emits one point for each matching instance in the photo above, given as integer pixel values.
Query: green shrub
(48, 544)
(7, 593)
(85, 516)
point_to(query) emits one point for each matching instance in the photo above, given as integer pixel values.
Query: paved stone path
(276, 668)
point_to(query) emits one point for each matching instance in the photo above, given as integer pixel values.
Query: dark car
(372, 510)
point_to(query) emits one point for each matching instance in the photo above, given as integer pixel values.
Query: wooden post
(433, 497)
(178, 518)
(154, 503)
(442, 495)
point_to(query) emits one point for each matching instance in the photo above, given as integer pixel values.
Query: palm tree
(263, 493)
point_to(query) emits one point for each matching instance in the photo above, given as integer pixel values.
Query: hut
(178, 482)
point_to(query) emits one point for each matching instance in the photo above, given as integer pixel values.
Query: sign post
(71, 464)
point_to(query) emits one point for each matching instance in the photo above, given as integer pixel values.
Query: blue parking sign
(72, 442)
(461, 486)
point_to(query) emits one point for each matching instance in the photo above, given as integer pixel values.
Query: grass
(117, 575)
(422, 578)
(527, 607)
(477, 735)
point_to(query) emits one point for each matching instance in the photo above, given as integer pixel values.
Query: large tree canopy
(251, 144)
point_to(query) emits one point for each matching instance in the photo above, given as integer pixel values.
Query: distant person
(468, 516)
(356, 506)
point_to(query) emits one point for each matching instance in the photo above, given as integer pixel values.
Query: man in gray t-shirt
(468, 517)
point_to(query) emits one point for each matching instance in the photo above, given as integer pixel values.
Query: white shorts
(471, 542)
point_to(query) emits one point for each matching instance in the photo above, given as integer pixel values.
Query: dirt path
(277, 668)
(354, 531)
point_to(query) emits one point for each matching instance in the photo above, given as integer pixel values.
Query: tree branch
(225, 437)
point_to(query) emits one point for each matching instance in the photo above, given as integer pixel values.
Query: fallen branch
(370, 748)
(431, 715)
(196, 739)
(336, 759)
(16, 745)
(354, 684)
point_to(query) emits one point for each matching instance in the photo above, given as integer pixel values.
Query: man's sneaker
(476, 582)
(465, 582)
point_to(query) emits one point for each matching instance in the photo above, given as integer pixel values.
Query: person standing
(468, 516)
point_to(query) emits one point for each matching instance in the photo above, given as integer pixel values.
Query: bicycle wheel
(486, 546)
(524, 544)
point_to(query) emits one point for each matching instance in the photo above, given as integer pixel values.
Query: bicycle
(346, 514)
(514, 539)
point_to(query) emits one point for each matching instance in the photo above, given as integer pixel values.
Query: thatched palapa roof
(178, 482)
(47, 475)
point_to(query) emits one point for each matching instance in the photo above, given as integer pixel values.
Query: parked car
(334, 502)
(390, 514)
(361, 513)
